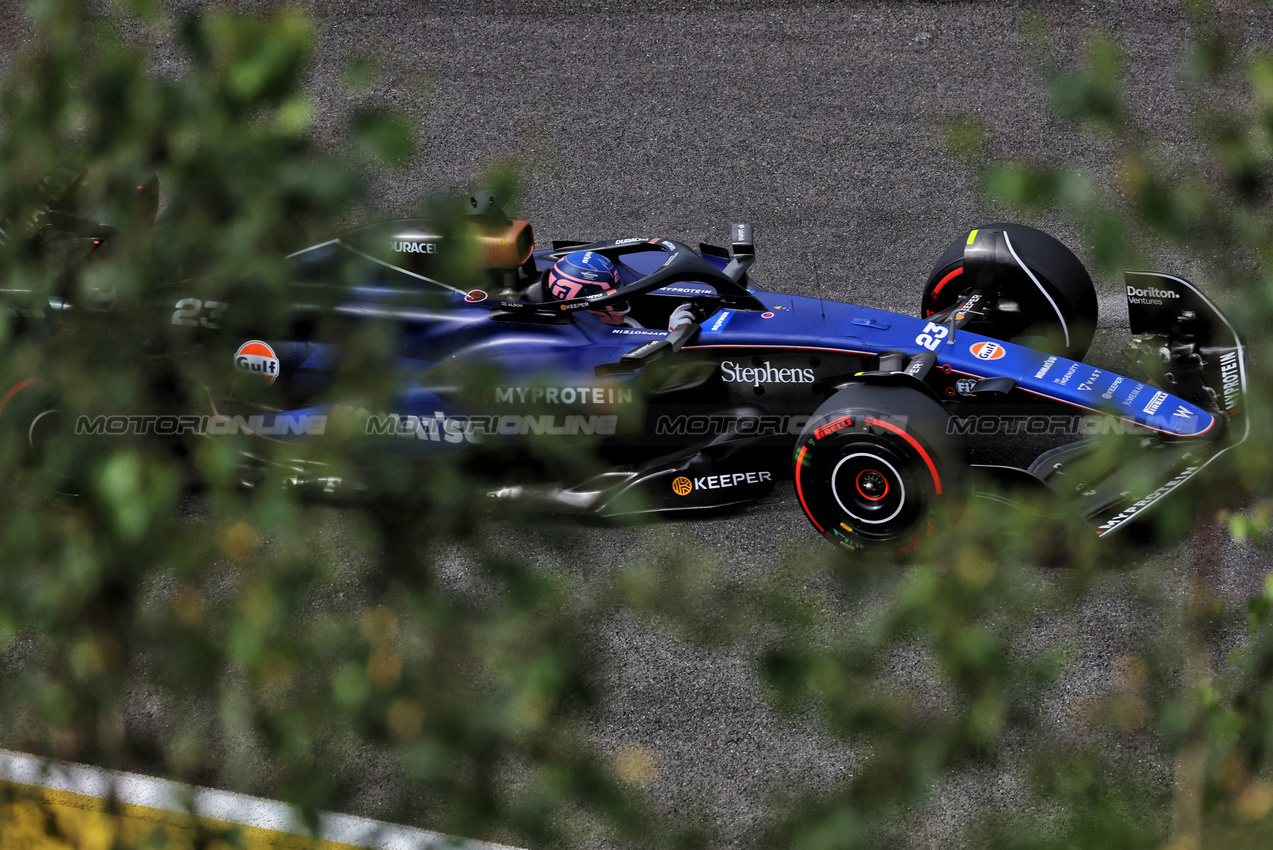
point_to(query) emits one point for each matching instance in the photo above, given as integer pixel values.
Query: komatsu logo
(1043, 370)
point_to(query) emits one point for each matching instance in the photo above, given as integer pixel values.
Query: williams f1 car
(701, 390)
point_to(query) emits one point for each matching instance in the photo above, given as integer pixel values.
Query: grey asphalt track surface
(819, 123)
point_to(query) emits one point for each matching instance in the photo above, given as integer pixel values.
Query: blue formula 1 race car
(705, 390)
(701, 390)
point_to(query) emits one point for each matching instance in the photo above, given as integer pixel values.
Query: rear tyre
(29, 422)
(875, 469)
(1055, 310)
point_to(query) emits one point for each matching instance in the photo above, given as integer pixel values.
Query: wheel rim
(871, 485)
(868, 488)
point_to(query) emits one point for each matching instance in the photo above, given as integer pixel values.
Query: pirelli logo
(1152, 406)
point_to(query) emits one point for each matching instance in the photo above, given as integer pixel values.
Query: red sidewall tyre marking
(928, 461)
(17, 388)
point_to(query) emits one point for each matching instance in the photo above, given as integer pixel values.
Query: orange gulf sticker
(987, 350)
(257, 357)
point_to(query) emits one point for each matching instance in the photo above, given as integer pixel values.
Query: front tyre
(874, 469)
(1043, 297)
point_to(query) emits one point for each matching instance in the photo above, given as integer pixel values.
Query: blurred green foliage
(241, 638)
(210, 635)
(1197, 703)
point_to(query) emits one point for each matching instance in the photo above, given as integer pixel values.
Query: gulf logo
(987, 350)
(257, 357)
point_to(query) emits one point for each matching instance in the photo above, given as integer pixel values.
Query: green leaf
(384, 137)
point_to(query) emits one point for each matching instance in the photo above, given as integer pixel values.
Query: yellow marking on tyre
(846, 528)
(972, 236)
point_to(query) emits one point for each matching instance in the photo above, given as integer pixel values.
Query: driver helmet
(587, 273)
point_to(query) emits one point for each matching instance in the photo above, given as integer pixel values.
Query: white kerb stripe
(134, 789)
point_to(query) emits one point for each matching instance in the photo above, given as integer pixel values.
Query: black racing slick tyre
(28, 422)
(875, 469)
(1041, 294)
